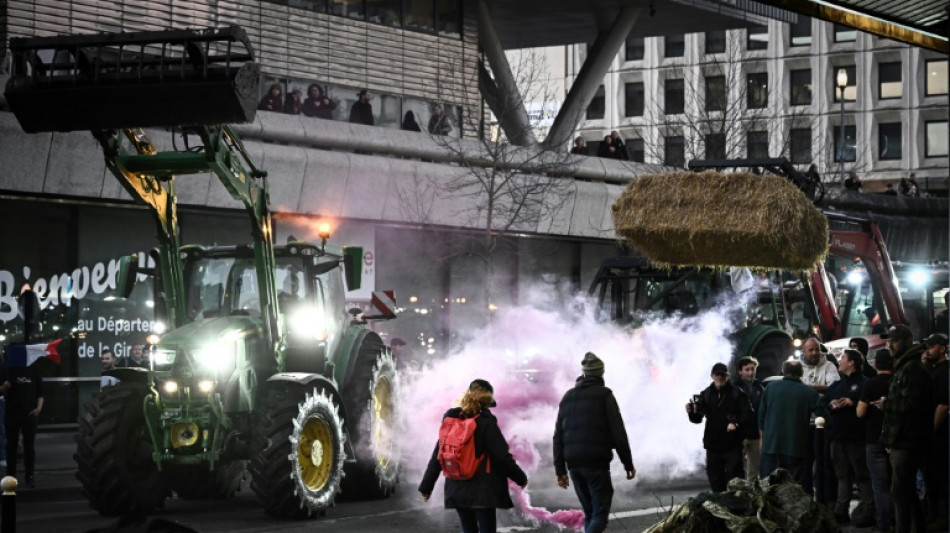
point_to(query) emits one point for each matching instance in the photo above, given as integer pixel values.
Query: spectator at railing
(318, 104)
(439, 124)
(362, 110)
(293, 104)
(273, 100)
(409, 122)
(852, 182)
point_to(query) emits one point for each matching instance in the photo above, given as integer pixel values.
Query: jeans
(908, 513)
(721, 466)
(851, 466)
(879, 467)
(14, 425)
(595, 492)
(477, 520)
(794, 465)
(752, 449)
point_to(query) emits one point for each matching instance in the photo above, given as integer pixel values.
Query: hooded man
(728, 414)
(589, 427)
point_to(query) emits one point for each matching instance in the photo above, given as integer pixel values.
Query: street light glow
(842, 78)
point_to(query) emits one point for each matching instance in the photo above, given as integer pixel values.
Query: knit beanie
(592, 365)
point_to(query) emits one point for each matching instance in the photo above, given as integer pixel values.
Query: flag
(20, 355)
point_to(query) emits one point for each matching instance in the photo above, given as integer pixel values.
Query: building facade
(771, 91)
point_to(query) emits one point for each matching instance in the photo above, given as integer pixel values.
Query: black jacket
(362, 113)
(754, 391)
(489, 487)
(720, 407)
(908, 409)
(589, 427)
(845, 424)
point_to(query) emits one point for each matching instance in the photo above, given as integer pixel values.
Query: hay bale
(720, 220)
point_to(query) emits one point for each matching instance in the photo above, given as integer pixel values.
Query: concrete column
(591, 75)
(501, 92)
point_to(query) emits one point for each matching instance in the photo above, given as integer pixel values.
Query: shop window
(889, 141)
(937, 139)
(889, 80)
(800, 81)
(757, 87)
(757, 144)
(674, 101)
(633, 99)
(715, 42)
(757, 38)
(847, 153)
(936, 77)
(595, 110)
(674, 151)
(800, 145)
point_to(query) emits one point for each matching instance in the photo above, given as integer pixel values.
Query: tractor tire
(198, 483)
(298, 440)
(370, 400)
(114, 454)
(771, 353)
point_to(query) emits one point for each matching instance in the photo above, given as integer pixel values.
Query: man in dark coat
(728, 413)
(937, 468)
(784, 414)
(362, 110)
(23, 388)
(908, 425)
(476, 499)
(589, 427)
(620, 149)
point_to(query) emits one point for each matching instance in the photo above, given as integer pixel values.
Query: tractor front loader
(283, 384)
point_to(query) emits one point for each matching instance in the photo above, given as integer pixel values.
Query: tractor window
(206, 279)
(245, 299)
(855, 298)
(332, 292)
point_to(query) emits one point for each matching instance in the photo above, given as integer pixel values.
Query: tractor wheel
(771, 353)
(199, 483)
(298, 461)
(370, 399)
(114, 454)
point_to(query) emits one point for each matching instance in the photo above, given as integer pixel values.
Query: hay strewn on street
(720, 220)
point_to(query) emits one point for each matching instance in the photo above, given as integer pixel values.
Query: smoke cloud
(532, 356)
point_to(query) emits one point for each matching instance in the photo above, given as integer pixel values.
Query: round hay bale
(721, 220)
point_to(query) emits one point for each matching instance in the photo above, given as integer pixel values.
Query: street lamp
(842, 83)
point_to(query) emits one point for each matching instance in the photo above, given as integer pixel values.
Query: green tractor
(282, 384)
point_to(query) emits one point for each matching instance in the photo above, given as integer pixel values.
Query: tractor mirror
(125, 277)
(353, 267)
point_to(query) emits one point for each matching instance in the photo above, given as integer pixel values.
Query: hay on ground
(720, 220)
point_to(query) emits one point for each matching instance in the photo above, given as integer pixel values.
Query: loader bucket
(125, 80)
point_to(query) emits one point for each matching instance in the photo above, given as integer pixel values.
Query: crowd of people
(612, 147)
(885, 429)
(907, 187)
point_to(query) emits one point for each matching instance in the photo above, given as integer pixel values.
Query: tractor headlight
(162, 357)
(215, 358)
(307, 321)
(206, 386)
(170, 387)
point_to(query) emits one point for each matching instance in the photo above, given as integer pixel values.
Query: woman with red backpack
(474, 458)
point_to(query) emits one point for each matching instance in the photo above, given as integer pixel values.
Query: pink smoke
(573, 518)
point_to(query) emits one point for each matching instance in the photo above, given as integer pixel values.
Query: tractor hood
(211, 330)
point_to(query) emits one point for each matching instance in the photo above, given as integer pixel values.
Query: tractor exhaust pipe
(141, 79)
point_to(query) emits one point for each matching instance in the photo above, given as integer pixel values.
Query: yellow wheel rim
(382, 421)
(315, 454)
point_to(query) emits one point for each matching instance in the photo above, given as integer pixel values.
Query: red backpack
(457, 447)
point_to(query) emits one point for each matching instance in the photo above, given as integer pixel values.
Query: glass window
(633, 49)
(715, 42)
(716, 146)
(674, 151)
(801, 31)
(889, 80)
(757, 38)
(635, 149)
(889, 141)
(674, 100)
(757, 87)
(936, 77)
(850, 90)
(801, 86)
(389, 114)
(715, 93)
(419, 15)
(388, 12)
(596, 108)
(347, 8)
(449, 17)
(757, 144)
(633, 99)
(675, 46)
(844, 34)
(800, 145)
(936, 139)
(849, 151)
(320, 6)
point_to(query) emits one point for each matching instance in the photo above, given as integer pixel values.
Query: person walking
(784, 413)
(879, 466)
(908, 425)
(476, 499)
(847, 434)
(588, 429)
(751, 444)
(728, 413)
(23, 389)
